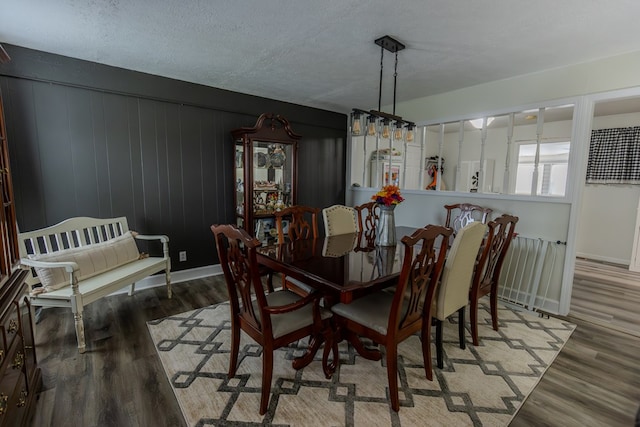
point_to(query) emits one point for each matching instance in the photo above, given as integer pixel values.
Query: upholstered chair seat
(285, 323)
(372, 310)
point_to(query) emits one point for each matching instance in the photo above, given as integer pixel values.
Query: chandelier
(379, 123)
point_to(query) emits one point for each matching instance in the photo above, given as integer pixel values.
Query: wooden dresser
(20, 376)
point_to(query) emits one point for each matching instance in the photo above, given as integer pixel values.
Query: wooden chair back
(339, 219)
(501, 232)
(303, 223)
(368, 215)
(467, 213)
(237, 255)
(424, 256)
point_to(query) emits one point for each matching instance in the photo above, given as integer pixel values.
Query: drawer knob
(18, 361)
(22, 400)
(3, 403)
(13, 326)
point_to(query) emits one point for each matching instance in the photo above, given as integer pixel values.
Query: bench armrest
(69, 266)
(163, 238)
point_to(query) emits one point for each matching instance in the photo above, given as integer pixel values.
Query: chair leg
(426, 348)
(461, 327)
(267, 373)
(270, 281)
(494, 309)
(392, 375)
(235, 347)
(167, 279)
(473, 309)
(79, 323)
(439, 351)
(330, 344)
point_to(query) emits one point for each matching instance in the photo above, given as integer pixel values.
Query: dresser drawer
(14, 412)
(10, 324)
(13, 386)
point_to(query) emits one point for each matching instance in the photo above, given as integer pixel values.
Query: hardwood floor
(595, 380)
(606, 294)
(119, 381)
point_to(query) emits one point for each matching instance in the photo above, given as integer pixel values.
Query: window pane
(552, 168)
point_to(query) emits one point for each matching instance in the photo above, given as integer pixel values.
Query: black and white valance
(614, 156)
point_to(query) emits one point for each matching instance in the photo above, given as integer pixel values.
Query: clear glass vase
(386, 227)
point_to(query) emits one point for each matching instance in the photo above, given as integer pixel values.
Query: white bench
(81, 260)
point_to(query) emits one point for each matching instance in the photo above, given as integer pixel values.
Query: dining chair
(339, 219)
(272, 320)
(453, 291)
(390, 318)
(303, 224)
(466, 213)
(368, 215)
(487, 271)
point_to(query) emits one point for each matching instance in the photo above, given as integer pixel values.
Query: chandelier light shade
(377, 118)
(356, 124)
(398, 131)
(371, 126)
(385, 132)
(409, 135)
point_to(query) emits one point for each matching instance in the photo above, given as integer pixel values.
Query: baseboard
(176, 277)
(603, 258)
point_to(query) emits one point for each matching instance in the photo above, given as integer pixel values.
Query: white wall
(582, 81)
(608, 212)
(608, 74)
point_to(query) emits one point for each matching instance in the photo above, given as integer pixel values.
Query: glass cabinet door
(272, 176)
(239, 183)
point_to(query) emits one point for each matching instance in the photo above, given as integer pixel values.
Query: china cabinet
(20, 376)
(265, 173)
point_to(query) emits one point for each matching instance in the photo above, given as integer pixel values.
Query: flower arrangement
(389, 195)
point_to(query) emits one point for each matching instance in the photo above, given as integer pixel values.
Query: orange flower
(389, 195)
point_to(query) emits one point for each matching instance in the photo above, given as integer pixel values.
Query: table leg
(305, 359)
(371, 354)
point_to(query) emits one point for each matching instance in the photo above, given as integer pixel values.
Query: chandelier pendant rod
(395, 79)
(380, 85)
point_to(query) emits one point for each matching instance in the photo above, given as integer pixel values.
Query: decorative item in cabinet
(265, 170)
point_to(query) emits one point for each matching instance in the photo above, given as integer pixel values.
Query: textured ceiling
(321, 53)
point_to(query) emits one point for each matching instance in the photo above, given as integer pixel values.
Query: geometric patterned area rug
(478, 386)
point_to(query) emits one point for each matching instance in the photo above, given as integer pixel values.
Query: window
(552, 168)
(497, 156)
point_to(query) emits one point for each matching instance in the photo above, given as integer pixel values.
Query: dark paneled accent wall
(92, 140)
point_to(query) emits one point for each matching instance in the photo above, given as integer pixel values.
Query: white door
(634, 265)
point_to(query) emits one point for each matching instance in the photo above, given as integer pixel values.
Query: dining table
(342, 268)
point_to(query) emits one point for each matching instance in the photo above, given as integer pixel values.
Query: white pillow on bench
(92, 260)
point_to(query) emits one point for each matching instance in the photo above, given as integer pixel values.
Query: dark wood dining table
(342, 267)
